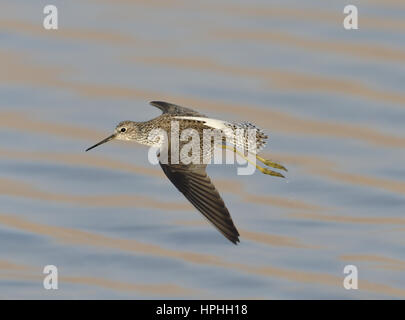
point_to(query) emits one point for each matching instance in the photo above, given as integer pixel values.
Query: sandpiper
(191, 179)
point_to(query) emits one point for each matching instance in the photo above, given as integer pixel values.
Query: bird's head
(125, 130)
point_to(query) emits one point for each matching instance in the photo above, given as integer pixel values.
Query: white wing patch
(232, 132)
(209, 122)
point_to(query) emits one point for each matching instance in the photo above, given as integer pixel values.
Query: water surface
(331, 100)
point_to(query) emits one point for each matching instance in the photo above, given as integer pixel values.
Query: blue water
(111, 222)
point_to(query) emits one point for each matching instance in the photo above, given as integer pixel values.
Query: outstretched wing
(193, 182)
(171, 108)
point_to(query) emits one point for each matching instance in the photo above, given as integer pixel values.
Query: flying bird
(191, 179)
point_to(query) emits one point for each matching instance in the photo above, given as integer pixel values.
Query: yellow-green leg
(261, 169)
(269, 163)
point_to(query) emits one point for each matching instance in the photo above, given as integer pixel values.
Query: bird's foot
(272, 164)
(269, 172)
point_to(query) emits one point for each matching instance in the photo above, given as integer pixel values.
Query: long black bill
(102, 142)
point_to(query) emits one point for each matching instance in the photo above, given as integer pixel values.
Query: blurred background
(332, 101)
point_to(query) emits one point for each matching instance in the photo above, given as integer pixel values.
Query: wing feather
(174, 109)
(193, 181)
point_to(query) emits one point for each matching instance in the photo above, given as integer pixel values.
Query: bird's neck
(144, 132)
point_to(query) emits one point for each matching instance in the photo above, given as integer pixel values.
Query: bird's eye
(123, 129)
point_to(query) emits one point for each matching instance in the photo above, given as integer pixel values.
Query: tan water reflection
(295, 235)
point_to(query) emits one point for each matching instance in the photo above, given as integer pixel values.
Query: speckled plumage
(174, 115)
(191, 178)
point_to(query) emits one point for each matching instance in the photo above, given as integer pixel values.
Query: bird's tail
(245, 136)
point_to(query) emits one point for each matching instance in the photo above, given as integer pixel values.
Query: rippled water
(332, 101)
